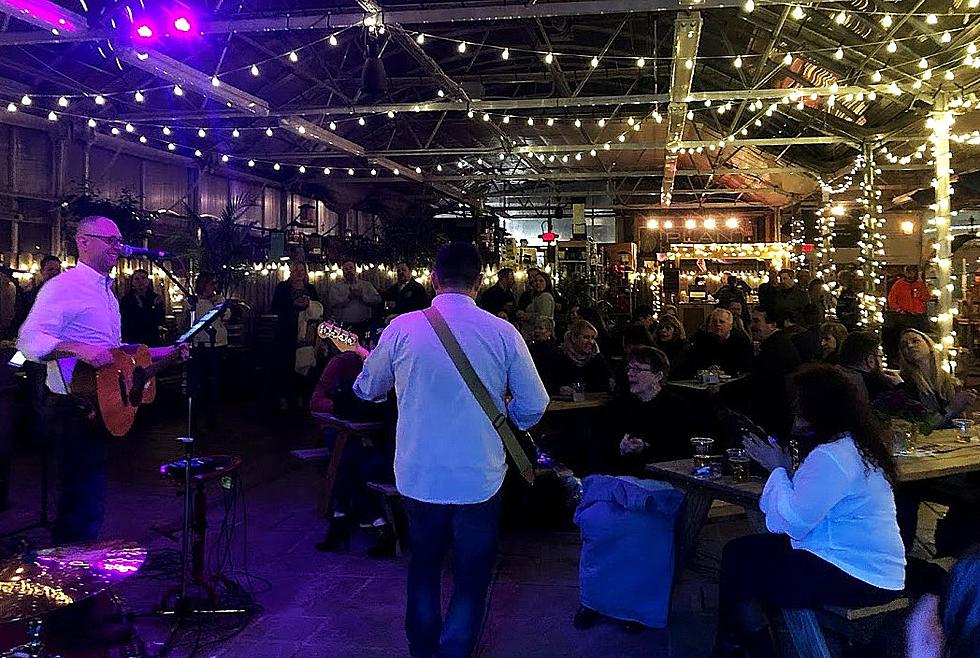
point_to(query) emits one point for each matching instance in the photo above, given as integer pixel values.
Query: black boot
(384, 541)
(338, 534)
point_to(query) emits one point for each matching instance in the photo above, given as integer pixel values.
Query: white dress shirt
(446, 449)
(841, 512)
(78, 306)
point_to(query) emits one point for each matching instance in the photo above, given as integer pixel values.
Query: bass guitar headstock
(334, 332)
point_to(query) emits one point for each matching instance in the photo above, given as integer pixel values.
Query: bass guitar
(346, 340)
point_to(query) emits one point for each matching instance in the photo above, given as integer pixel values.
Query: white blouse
(841, 512)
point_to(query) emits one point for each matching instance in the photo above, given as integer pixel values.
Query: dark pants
(81, 446)
(471, 530)
(361, 463)
(765, 571)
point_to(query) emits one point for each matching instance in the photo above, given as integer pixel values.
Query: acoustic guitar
(116, 391)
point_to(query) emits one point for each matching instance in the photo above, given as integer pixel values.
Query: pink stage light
(144, 31)
(182, 24)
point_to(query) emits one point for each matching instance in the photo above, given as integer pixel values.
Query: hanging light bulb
(99, 100)
(91, 122)
(946, 38)
(749, 6)
(418, 170)
(640, 62)
(143, 139)
(931, 19)
(332, 125)
(130, 128)
(197, 152)
(268, 132)
(787, 60)
(361, 121)
(602, 123)
(892, 46)
(630, 121)
(505, 54)
(52, 116)
(115, 131)
(461, 47)
(841, 18)
(254, 70)
(215, 82)
(886, 21)
(11, 107)
(949, 75)
(923, 63)
(839, 54)
(350, 172)
(326, 171)
(549, 58)
(171, 146)
(251, 163)
(506, 119)
(302, 169)
(333, 40)
(738, 62)
(276, 166)
(798, 13)
(438, 167)
(420, 39)
(293, 57)
(578, 123)
(689, 63)
(177, 92)
(593, 152)
(551, 121)
(595, 62)
(62, 102)
(224, 158)
(876, 77)
(530, 121)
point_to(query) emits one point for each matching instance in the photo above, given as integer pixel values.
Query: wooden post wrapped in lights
(940, 123)
(797, 236)
(872, 245)
(826, 223)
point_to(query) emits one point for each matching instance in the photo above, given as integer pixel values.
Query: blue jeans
(472, 532)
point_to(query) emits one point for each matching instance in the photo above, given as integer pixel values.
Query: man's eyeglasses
(111, 240)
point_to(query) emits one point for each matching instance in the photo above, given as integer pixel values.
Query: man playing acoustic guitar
(76, 319)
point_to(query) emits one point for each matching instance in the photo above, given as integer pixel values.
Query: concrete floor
(344, 604)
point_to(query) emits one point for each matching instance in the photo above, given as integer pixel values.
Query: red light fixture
(549, 236)
(807, 247)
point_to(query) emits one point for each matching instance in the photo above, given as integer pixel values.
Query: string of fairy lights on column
(797, 236)
(871, 301)
(940, 122)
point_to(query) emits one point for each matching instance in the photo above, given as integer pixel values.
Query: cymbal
(37, 583)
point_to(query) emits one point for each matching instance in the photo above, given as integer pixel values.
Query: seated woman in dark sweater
(650, 423)
(672, 341)
(578, 362)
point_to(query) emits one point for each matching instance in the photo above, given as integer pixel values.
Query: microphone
(128, 251)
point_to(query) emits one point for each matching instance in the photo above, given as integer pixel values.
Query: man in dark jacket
(764, 393)
(405, 295)
(789, 299)
(721, 344)
(499, 298)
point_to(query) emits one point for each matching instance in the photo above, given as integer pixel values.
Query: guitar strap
(480, 392)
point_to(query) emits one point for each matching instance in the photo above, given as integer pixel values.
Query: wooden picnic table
(938, 455)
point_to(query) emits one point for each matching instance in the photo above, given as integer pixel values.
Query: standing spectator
(50, 268)
(209, 349)
(789, 299)
(733, 291)
(352, 300)
(908, 297)
(291, 297)
(528, 293)
(449, 459)
(719, 344)
(142, 311)
(819, 296)
(541, 304)
(767, 290)
(499, 298)
(405, 295)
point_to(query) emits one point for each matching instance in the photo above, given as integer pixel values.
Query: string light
(254, 70)
(215, 82)
(62, 102)
(293, 57)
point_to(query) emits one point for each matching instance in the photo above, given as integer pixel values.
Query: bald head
(98, 240)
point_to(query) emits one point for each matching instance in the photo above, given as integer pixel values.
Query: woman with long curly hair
(833, 536)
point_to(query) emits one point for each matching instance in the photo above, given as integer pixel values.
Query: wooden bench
(345, 429)
(389, 492)
(806, 626)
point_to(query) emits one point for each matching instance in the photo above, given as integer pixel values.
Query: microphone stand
(183, 605)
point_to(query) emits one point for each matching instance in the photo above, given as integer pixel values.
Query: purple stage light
(181, 24)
